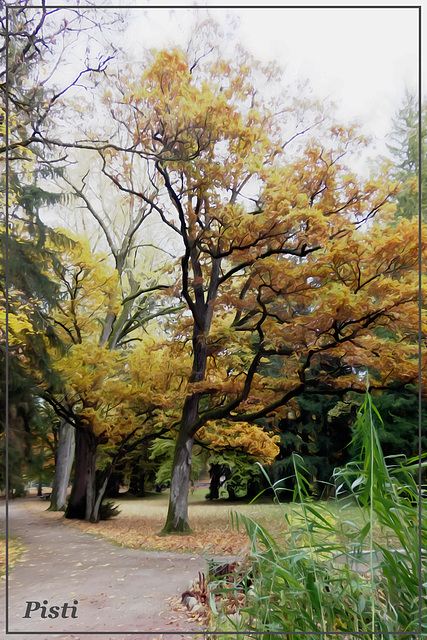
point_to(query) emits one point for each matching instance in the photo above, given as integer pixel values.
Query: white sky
(363, 58)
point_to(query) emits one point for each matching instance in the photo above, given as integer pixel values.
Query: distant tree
(232, 450)
(400, 414)
(94, 386)
(320, 434)
(407, 168)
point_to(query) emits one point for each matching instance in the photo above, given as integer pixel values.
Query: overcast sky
(363, 58)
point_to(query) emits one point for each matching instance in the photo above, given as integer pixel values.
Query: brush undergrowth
(329, 575)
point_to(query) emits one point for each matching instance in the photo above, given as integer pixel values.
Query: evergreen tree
(320, 434)
(398, 434)
(405, 146)
(26, 290)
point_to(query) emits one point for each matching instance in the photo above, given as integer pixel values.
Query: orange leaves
(139, 535)
(176, 114)
(295, 257)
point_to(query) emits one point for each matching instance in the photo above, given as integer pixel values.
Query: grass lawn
(141, 520)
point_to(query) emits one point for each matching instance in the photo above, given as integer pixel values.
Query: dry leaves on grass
(142, 536)
(229, 583)
(15, 550)
(137, 533)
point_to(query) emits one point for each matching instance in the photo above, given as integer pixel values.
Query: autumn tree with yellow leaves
(100, 394)
(286, 254)
(283, 256)
(34, 45)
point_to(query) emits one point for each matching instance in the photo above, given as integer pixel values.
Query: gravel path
(121, 593)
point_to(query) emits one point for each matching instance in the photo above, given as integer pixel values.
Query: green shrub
(108, 510)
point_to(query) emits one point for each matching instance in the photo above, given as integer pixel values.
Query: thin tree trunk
(63, 465)
(108, 325)
(99, 496)
(90, 483)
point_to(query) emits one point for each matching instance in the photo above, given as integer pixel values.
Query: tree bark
(82, 498)
(100, 492)
(90, 482)
(177, 518)
(63, 465)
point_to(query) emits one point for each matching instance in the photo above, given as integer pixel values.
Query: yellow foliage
(242, 436)
(19, 319)
(312, 271)
(90, 288)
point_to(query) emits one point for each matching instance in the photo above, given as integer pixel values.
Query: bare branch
(91, 209)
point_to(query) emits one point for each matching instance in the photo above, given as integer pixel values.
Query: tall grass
(327, 575)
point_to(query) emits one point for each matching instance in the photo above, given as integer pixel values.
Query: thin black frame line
(420, 159)
(6, 265)
(11, 7)
(205, 632)
(225, 7)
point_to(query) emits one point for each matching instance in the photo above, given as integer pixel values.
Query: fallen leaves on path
(15, 550)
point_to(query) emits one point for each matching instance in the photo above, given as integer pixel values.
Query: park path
(122, 593)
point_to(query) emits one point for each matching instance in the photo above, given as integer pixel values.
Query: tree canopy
(287, 267)
(291, 258)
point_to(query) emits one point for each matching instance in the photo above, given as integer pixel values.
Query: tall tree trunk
(82, 498)
(177, 518)
(63, 465)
